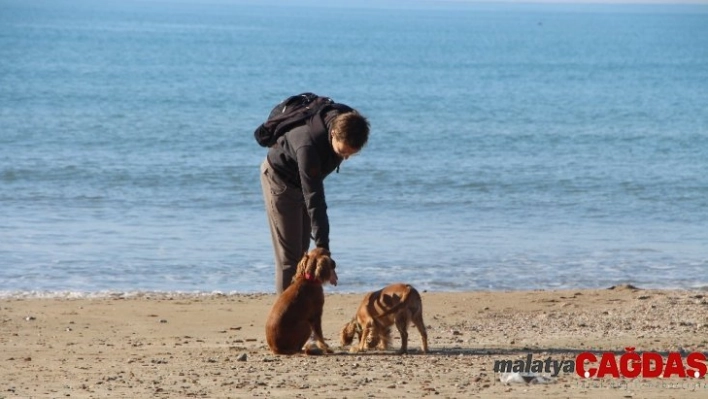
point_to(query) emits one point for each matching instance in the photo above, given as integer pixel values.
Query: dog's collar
(309, 277)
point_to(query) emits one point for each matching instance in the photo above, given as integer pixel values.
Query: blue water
(513, 146)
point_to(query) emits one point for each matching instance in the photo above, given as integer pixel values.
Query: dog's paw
(317, 348)
(313, 351)
(324, 347)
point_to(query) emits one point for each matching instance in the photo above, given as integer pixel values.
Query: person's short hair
(352, 128)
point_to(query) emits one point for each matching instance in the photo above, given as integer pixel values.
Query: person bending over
(292, 178)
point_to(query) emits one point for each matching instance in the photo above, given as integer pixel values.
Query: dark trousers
(289, 222)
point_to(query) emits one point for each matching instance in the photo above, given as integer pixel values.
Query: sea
(514, 146)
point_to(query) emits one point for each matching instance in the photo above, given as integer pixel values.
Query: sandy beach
(214, 346)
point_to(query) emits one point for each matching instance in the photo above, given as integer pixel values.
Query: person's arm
(312, 181)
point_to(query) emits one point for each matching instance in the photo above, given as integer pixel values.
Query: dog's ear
(347, 334)
(302, 266)
(324, 268)
(310, 265)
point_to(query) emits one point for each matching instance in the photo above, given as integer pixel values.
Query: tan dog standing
(297, 313)
(398, 304)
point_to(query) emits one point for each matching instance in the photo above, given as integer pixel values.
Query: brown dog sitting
(297, 313)
(398, 304)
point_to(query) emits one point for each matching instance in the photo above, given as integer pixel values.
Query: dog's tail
(405, 297)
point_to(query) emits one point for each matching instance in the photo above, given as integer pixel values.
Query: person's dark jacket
(303, 157)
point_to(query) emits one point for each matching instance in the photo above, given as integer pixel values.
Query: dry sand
(157, 346)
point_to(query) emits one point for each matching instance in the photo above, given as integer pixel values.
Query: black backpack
(295, 111)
